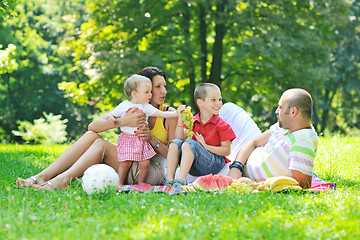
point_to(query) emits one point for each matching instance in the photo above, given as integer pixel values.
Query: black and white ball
(100, 178)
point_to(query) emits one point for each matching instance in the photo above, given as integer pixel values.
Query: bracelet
(180, 126)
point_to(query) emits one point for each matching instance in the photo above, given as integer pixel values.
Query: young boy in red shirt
(205, 152)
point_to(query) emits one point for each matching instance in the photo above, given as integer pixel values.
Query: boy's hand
(111, 119)
(200, 139)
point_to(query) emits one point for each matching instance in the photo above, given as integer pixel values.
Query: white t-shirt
(126, 105)
(241, 123)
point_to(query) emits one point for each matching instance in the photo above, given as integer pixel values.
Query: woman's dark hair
(151, 72)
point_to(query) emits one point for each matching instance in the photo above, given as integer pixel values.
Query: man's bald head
(301, 99)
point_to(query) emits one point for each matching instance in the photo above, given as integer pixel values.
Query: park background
(71, 58)
(63, 63)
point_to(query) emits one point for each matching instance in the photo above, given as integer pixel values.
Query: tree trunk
(203, 43)
(325, 114)
(220, 31)
(188, 53)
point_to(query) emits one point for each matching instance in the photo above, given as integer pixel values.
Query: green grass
(71, 214)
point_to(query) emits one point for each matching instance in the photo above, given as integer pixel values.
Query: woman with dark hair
(92, 149)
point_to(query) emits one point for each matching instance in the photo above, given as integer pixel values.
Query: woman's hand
(132, 119)
(111, 119)
(143, 132)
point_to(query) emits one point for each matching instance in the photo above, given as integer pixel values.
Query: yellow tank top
(159, 131)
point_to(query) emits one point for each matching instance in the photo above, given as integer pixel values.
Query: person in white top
(130, 147)
(287, 149)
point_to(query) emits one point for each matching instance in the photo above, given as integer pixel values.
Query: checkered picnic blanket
(317, 185)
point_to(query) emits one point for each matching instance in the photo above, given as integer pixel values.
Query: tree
(6, 8)
(255, 48)
(338, 105)
(32, 89)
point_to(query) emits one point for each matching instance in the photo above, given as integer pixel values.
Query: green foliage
(48, 130)
(7, 62)
(254, 50)
(6, 10)
(72, 57)
(69, 214)
(340, 96)
(31, 89)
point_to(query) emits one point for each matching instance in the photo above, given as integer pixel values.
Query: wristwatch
(158, 144)
(239, 166)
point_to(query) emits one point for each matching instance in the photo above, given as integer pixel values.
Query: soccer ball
(100, 178)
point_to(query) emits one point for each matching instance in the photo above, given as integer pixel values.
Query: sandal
(178, 183)
(168, 183)
(50, 184)
(25, 183)
(34, 179)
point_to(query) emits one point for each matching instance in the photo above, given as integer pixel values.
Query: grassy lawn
(71, 214)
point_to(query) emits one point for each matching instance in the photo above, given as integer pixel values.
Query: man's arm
(246, 150)
(303, 179)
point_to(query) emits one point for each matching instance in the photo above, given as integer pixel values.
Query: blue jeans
(204, 162)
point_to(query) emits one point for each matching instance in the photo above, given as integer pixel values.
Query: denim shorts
(205, 162)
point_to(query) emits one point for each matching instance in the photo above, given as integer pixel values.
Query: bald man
(287, 149)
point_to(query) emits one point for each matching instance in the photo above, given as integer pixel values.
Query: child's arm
(179, 130)
(169, 114)
(223, 150)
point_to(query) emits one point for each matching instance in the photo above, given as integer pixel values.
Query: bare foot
(26, 182)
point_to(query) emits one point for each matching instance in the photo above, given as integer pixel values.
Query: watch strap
(239, 166)
(158, 144)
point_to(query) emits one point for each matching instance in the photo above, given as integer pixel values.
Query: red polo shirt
(214, 131)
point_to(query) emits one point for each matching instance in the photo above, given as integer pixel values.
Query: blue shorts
(205, 162)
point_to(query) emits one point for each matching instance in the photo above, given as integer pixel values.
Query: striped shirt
(283, 153)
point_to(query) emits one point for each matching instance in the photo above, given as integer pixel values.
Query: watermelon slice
(212, 182)
(188, 188)
(223, 181)
(205, 183)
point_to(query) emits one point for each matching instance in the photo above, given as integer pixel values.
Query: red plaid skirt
(132, 148)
